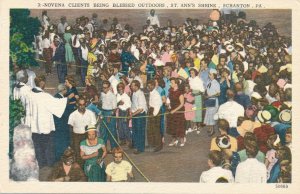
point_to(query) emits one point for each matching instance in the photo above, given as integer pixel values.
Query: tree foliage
(22, 31)
(16, 113)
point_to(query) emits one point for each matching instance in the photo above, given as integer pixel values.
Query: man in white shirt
(251, 170)
(139, 110)
(216, 171)
(119, 170)
(153, 130)
(109, 106)
(43, 107)
(230, 110)
(154, 21)
(78, 120)
(114, 78)
(23, 92)
(124, 105)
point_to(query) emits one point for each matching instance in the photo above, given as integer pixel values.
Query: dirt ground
(172, 164)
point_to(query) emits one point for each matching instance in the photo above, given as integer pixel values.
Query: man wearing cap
(230, 110)
(43, 107)
(263, 132)
(78, 120)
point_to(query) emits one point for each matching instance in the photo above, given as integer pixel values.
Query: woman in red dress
(175, 119)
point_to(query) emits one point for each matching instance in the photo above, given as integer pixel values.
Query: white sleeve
(157, 102)
(55, 106)
(71, 119)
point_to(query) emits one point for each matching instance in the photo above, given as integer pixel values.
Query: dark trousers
(75, 144)
(44, 149)
(83, 70)
(153, 131)
(62, 71)
(123, 128)
(111, 124)
(138, 132)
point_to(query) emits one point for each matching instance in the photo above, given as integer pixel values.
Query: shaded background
(136, 18)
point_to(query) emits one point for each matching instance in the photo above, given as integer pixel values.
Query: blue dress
(127, 58)
(61, 133)
(71, 107)
(223, 87)
(163, 110)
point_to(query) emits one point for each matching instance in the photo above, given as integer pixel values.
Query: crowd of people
(226, 73)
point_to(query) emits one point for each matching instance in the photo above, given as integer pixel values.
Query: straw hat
(223, 142)
(90, 128)
(264, 116)
(285, 116)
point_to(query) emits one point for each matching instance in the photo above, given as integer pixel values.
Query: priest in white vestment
(44, 106)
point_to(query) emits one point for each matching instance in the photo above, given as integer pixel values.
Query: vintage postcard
(136, 96)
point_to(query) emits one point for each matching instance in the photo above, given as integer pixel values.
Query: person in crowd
(124, 105)
(154, 21)
(138, 113)
(119, 170)
(23, 92)
(61, 27)
(175, 120)
(153, 126)
(59, 59)
(251, 170)
(67, 37)
(72, 94)
(230, 110)
(223, 126)
(196, 85)
(91, 94)
(62, 132)
(47, 52)
(43, 107)
(77, 122)
(211, 101)
(215, 170)
(108, 129)
(67, 170)
(93, 152)
(240, 97)
(189, 113)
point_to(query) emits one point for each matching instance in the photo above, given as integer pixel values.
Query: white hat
(264, 116)
(222, 51)
(213, 71)
(229, 48)
(256, 95)
(223, 142)
(90, 128)
(285, 116)
(145, 38)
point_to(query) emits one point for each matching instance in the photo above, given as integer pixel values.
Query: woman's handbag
(210, 102)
